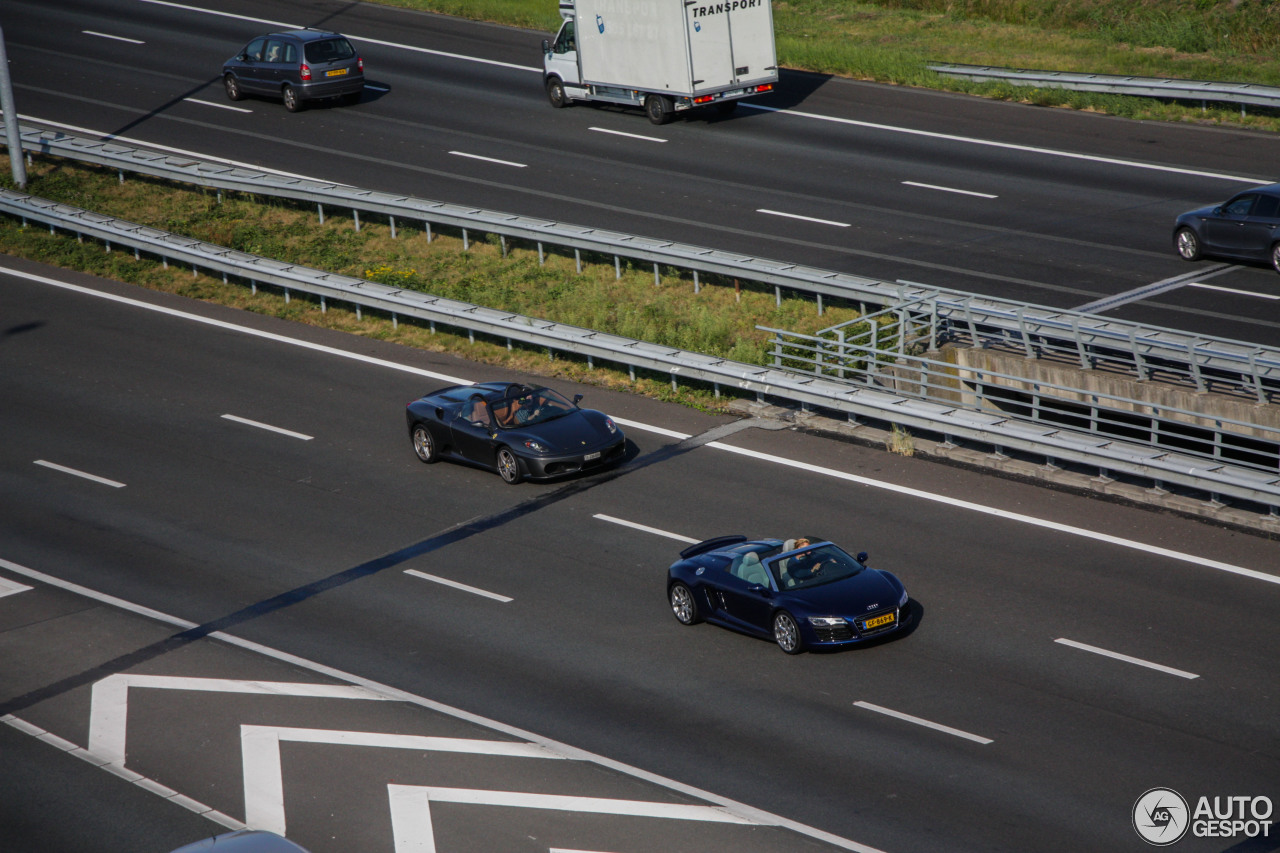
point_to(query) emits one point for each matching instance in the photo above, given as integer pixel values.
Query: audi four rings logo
(1160, 816)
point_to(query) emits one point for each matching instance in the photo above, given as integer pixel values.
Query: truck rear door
(730, 42)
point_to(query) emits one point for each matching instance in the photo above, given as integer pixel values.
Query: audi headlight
(902, 602)
(826, 621)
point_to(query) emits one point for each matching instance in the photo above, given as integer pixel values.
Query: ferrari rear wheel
(787, 633)
(423, 444)
(683, 604)
(508, 466)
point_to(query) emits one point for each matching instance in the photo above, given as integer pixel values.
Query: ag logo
(1160, 816)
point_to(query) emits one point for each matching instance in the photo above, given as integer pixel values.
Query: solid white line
(103, 480)
(1232, 290)
(564, 802)
(1203, 562)
(216, 104)
(926, 723)
(624, 133)
(1200, 562)
(805, 218)
(646, 528)
(1030, 149)
(669, 433)
(280, 430)
(113, 38)
(949, 189)
(1181, 673)
(373, 88)
(749, 813)
(488, 159)
(462, 586)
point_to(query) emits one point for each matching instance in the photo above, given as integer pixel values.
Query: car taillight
(360, 64)
(703, 99)
(305, 71)
(764, 87)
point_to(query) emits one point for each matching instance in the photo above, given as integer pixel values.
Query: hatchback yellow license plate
(337, 72)
(878, 621)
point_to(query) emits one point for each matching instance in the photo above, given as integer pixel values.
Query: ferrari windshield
(534, 407)
(814, 566)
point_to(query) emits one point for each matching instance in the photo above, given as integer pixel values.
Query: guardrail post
(466, 245)
(1195, 365)
(324, 309)
(541, 259)
(502, 238)
(393, 226)
(320, 208)
(696, 287)
(777, 295)
(819, 304)
(428, 227)
(355, 215)
(395, 321)
(577, 260)
(617, 268)
(655, 274)
(1257, 379)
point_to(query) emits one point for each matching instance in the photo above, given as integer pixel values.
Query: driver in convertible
(803, 567)
(527, 409)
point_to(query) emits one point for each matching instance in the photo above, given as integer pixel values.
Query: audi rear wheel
(683, 604)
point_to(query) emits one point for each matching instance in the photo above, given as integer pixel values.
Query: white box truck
(664, 56)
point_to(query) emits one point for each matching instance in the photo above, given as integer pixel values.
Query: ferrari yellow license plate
(878, 621)
(338, 72)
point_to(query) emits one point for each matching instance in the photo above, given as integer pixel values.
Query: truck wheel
(657, 108)
(556, 94)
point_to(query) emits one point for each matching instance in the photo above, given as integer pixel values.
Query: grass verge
(718, 320)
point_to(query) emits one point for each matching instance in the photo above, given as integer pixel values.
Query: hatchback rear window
(329, 50)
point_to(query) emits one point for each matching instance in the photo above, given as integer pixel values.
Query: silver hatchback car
(297, 66)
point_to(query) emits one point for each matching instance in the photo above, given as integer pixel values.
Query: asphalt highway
(1065, 654)
(1046, 206)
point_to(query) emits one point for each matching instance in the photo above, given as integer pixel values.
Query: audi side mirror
(862, 557)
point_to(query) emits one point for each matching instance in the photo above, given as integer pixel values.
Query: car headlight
(902, 602)
(535, 446)
(826, 621)
(608, 422)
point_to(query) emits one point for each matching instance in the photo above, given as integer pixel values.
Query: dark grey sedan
(1246, 227)
(296, 66)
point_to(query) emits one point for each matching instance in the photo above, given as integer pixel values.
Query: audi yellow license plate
(337, 72)
(877, 622)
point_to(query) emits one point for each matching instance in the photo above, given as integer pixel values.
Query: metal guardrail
(1001, 431)
(1147, 87)
(864, 358)
(1231, 365)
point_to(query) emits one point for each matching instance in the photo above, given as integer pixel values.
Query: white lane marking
(646, 528)
(264, 774)
(488, 159)
(95, 478)
(742, 810)
(805, 218)
(922, 722)
(289, 26)
(374, 88)
(218, 105)
(8, 587)
(949, 189)
(1009, 146)
(1234, 290)
(1181, 673)
(113, 38)
(182, 151)
(280, 430)
(128, 775)
(462, 586)
(798, 113)
(222, 324)
(624, 133)
(1202, 562)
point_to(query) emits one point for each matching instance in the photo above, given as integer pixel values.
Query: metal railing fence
(1207, 363)
(1148, 87)
(1002, 432)
(866, 357)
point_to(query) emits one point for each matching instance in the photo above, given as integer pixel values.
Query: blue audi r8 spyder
(801, 594)
(520, 431)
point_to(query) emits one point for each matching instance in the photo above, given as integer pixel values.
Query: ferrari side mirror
(577, 398)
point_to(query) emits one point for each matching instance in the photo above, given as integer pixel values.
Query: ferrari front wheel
(786, 633)
(683, 604)
(424, 444)
(508, 466)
